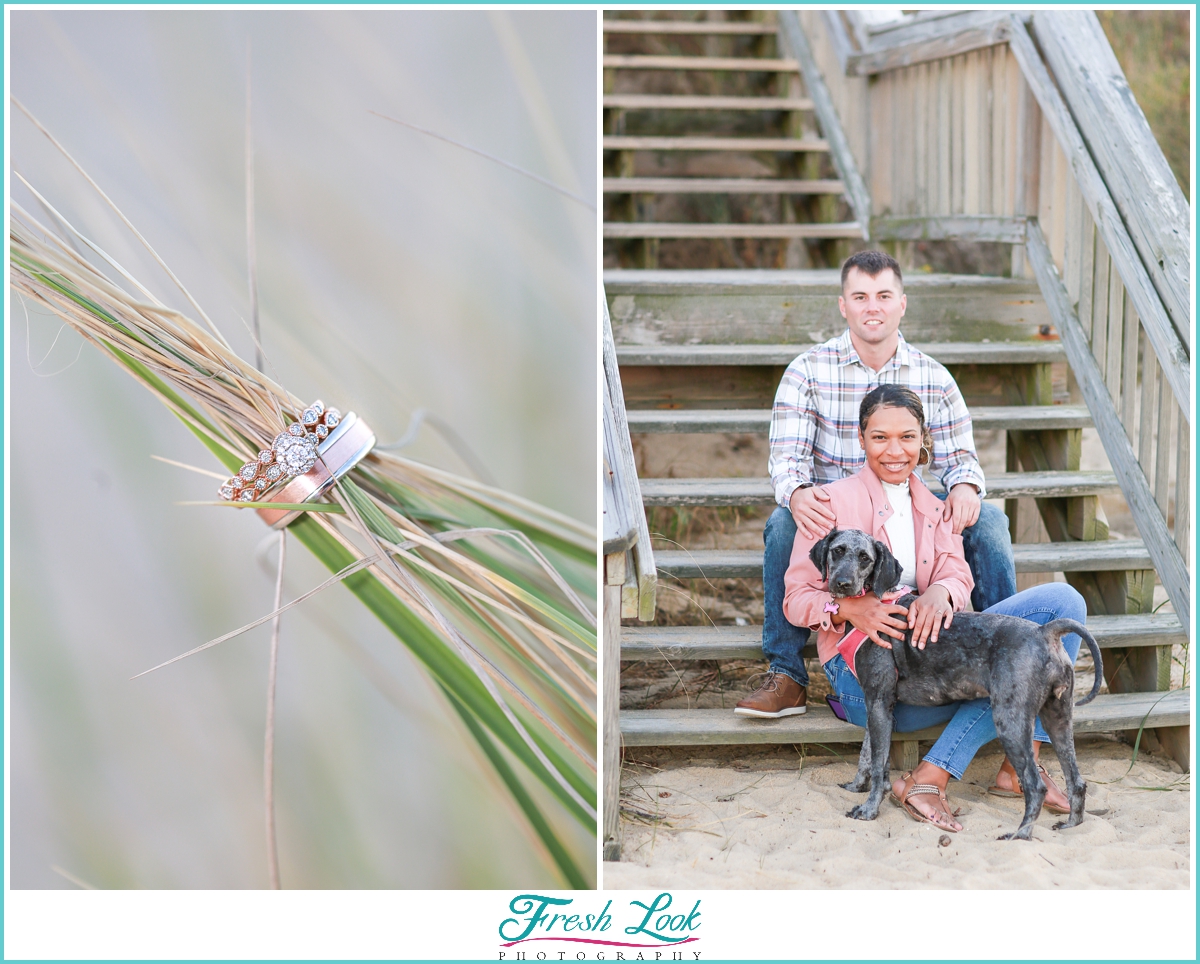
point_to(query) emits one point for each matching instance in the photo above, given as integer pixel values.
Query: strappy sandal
(917, 789)
(996, 791)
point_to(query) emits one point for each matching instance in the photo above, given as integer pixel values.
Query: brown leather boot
(778, 696)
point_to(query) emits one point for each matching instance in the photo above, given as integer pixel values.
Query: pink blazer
(858, 502)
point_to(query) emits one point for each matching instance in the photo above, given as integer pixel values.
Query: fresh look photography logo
(650, 931)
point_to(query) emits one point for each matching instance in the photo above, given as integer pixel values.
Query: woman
(886, 498)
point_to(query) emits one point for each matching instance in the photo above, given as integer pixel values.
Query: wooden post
(905, 754)
(610, 668)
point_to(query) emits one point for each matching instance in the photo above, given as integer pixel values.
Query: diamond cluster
(292, 453)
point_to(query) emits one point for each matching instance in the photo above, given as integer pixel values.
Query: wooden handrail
(1172, 355)
(626, 492)
(839, 148)
(1168, 560)
(1128, 157)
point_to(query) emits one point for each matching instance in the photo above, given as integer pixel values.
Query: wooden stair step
(781, 145)
(688, 27)
(658, 62)
(705, 102)
(1111, 554)
(785, 307)
(718, 185)
(649, 229)
(682, 643)
(1105, 714)
(821, 282)
(758, 491)
(758, 420)
(946, 352)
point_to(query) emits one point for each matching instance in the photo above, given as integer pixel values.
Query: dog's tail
(1058, 628)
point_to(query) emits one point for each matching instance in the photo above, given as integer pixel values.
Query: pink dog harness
(854, 638)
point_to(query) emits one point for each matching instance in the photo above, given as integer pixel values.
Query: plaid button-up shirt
(814, 423)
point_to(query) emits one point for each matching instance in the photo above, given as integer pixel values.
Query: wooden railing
(630, 576)
(961, 126)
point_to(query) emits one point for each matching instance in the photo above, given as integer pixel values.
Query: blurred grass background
(1153, 47)
(395, 272)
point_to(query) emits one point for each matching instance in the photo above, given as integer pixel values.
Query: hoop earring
(926, 456)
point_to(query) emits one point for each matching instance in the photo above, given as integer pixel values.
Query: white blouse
(900, 531)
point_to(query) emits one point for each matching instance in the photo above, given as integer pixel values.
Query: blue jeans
(986, 545)
(970, 721)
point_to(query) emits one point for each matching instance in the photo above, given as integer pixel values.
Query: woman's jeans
(986, 545)
(970, 721)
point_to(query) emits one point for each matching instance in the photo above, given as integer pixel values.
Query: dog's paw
(1017, 835)
(861, 812)
(854, 786)
(1064, 824)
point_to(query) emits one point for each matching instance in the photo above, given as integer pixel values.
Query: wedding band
(302, 463)
(345, 447)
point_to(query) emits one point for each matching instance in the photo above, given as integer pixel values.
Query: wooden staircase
(709, 137)
(702, 352)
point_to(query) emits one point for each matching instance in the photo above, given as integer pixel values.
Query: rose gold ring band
(345, 447)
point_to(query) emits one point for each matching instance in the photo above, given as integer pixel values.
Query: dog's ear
(887, 572)
(818, 553)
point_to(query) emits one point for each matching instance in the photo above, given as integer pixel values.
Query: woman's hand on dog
(928, 613)
(873, 617)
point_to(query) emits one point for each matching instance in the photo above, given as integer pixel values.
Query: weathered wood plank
(698, 102)
(1105, 714)
(1026, 162)
(1171, 346)
(1114, 353)
(656, 62)
(621, 142)
(701, 27)
(882, 150)
(610, 701)
(974, 120)
(838, 37)
(1148, 392)
(1129, 387)
(963, 227)
(615, 568)
(1137, 175)
(683, 229)
(620, 507)
(1111, 555)
(758, 421)
(758, 491)
(642, 643)
(918, 42)
(947, 353)
(1169, 563)
(800, 307)
(1097, 329)
(1162, 446)
(718, 185)
(839, 147)
(1183, 492)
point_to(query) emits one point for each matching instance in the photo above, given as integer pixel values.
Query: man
(814, 439)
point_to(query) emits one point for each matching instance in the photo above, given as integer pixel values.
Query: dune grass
(493, 594)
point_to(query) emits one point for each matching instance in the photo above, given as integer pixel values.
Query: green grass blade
(446, 667)
(570, 870)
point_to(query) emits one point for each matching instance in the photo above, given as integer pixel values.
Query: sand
(773, 824)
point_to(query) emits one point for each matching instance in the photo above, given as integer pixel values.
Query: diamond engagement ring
(302, 463)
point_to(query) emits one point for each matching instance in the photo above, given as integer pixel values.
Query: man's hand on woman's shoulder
(810, 508)
(962, 506)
